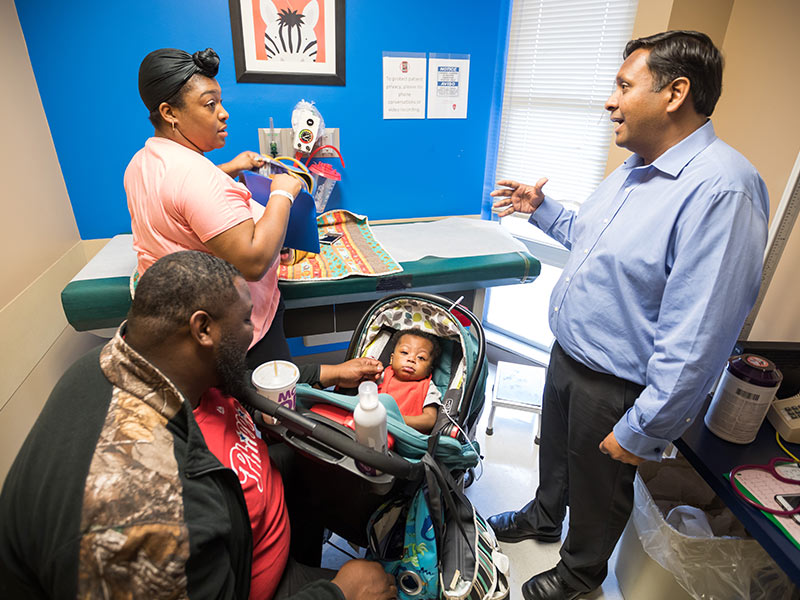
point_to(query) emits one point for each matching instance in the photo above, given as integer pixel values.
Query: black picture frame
(255, 70)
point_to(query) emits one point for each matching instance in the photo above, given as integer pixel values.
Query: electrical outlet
(283, 139)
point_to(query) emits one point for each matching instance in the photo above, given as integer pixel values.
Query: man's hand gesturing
(518, 197)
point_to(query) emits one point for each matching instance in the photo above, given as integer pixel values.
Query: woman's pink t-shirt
(178, 200)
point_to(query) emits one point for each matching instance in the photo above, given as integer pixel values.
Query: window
(563, 56)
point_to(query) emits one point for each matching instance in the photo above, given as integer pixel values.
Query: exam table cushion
(99, 296)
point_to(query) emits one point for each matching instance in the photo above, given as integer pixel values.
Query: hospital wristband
(283, 193)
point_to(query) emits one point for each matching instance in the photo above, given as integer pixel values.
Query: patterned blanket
(357, 252)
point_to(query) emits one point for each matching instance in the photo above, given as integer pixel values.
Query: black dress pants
(579, 409)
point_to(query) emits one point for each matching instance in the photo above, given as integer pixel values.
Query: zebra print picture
(289, 41)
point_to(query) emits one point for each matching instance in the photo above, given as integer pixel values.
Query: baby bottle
(370, 422)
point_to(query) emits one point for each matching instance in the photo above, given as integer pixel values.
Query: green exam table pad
(98, 297)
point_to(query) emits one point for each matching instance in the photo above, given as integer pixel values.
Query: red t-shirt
(231, 436)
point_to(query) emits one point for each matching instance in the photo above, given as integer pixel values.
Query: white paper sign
(403, 85)
(448, 86)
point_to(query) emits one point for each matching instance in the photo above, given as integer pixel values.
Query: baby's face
(412, 358)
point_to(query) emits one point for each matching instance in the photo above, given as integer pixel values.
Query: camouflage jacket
(115, 494)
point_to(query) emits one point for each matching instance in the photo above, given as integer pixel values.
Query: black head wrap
(163, 72)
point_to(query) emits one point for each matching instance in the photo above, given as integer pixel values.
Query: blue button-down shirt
(665, 265)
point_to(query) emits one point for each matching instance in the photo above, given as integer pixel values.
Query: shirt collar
(678, 156)
(130, 371)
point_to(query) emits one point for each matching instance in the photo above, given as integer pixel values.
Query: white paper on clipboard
(764, 487)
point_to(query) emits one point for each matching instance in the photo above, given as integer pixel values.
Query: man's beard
(231, 367)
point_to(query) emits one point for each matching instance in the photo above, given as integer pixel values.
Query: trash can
(656, 561)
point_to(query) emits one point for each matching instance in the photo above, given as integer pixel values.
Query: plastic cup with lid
(276, 380)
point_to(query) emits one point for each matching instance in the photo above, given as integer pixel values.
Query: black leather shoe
(507, 530)
(548, 586)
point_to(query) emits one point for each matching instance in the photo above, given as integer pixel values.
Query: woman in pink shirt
(180, 200)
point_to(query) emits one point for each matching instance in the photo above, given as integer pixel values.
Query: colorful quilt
(357, 252)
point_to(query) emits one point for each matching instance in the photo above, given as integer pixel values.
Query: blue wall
(86, 56)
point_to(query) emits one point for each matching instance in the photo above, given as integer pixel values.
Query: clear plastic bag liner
(727, 566)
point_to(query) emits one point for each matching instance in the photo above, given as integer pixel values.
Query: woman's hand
(288, 183)
(349, 374)
(518, 197)
(244, 162)
(254, 247)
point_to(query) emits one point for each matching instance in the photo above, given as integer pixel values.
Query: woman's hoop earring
(173, 127)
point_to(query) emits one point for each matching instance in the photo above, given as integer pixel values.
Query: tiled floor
(509, 479)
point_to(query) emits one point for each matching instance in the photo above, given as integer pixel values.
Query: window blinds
(563, 56)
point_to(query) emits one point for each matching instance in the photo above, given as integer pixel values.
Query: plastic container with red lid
(326, 177)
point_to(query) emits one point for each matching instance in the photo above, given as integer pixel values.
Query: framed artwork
(288, 41)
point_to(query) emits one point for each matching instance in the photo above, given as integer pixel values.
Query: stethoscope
(770, 468)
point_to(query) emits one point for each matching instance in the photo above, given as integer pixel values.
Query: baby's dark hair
(435, 351)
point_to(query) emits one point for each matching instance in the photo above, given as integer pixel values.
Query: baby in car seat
(408, 378)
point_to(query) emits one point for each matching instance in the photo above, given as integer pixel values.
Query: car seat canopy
(451, 370)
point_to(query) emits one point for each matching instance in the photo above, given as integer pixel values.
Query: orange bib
(409, 395)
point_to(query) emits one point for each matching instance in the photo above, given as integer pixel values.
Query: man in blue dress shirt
(664, 266)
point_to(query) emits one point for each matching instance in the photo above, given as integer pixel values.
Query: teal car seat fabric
(409, 443)
(458, 363)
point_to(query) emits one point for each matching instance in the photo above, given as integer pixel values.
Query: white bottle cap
(368, 395)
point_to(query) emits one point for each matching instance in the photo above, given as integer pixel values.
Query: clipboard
(301, 232)
(761, 486)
